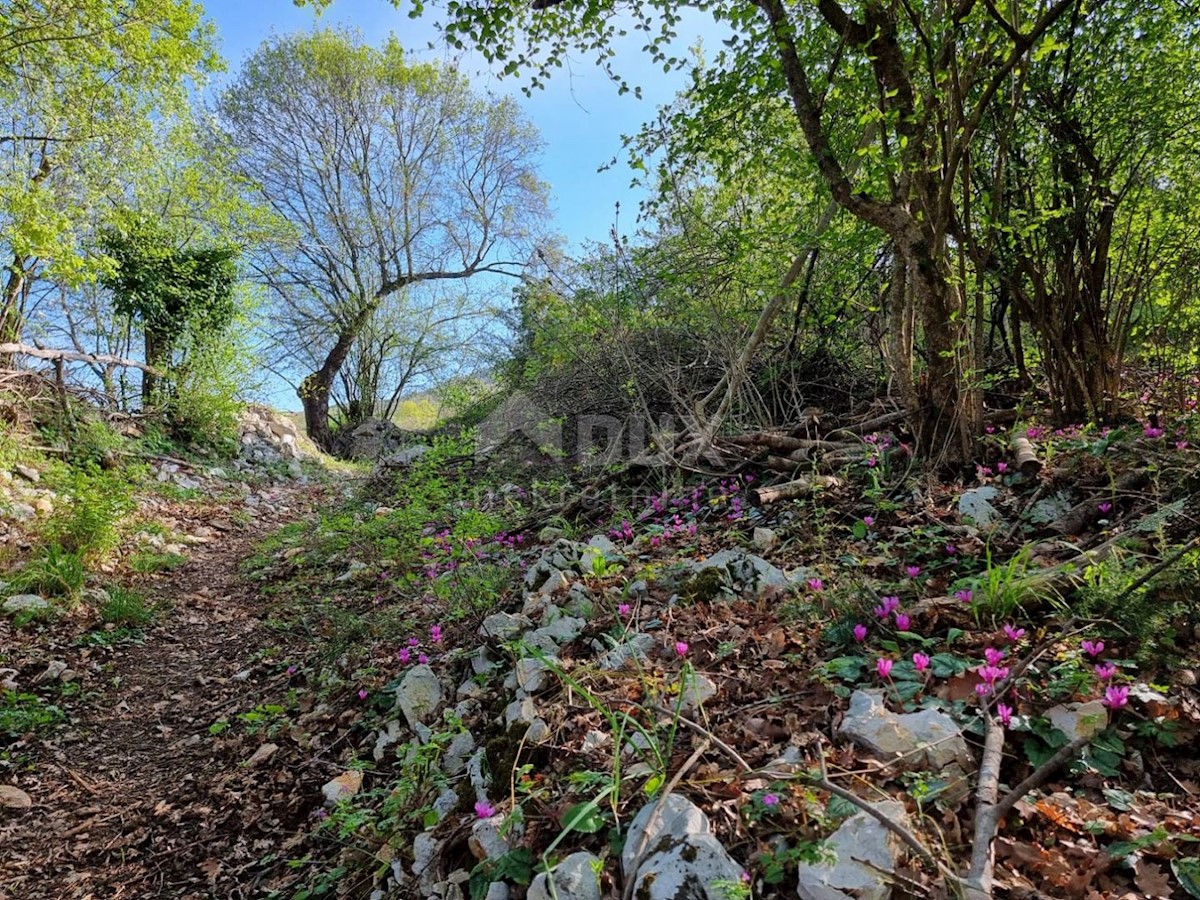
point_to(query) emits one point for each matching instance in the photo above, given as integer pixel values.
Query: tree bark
(314, 390)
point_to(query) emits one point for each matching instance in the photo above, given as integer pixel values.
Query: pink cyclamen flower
(1116, 696)
(920, 662)
(902, 621)
(1181, 445)
(1093, 648)
(405, 655)
(414, 642)
(860, 632)
(816, 584)
(883, 666)
(1001, 467)
(912, 571)
(868, 521)
(951, 549)
(991, 674)
(291, 670)
(770, 800)
(1105, 671)
(1004, 713)
(990, 429)
(362, 693)
(681, 648)
(1152, 432)
(983, 689)
(435, 634)
(484, 810)
(1104, 508)
(964, 596)
(422, 658)
(624, 609)
(985, 471)
(1013, 634)
(993, 656)
(871, 462)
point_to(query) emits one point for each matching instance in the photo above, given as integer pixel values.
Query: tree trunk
(315, 390)
(11, 314)
(156, 355)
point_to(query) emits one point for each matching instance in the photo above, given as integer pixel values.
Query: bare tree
(393, 175)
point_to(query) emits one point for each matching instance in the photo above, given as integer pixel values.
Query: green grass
(125, 607)
(146, 562)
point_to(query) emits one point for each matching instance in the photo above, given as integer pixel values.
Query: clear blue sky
(580, 115)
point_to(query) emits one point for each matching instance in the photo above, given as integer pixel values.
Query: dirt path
(135, 797)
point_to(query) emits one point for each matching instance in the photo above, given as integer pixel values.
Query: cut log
(790, 490)
(1027, 460)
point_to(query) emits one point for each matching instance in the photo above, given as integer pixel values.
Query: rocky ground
(427, 684)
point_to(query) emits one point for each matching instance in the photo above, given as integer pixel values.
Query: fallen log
(99, 359)
(790, 490)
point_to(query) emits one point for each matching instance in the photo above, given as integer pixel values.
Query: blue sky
(580, 115)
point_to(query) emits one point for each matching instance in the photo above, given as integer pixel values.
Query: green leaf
(847, 668)
(1187, 871)
(947, 665)
(839, 808)
(1118, 799)
(584, 818)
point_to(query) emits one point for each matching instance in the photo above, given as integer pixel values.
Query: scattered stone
(22, 512)
(691, 867)
(549, 534)
(25, 603)
(927, 739)
(575, 878)
(407, 456)
(764, 540)
(356, 567)
(736, 568)
(261, 755)
(636, 646)
(504, 626)
(595, 740)
(418, 694)
(445, 803)
(427, 849)
(520, 712)
(343, 787)
(28, 473)
(679, 816)
(386, 737)
(1077, 720)
(698, 691)
(562, 630)
(531, 675)
(14, 798)
(976, 505)
(485, 840)
(865, 852)
(43, 506)
(56, 669)
(462, 745)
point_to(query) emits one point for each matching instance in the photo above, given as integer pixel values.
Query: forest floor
(133, 797)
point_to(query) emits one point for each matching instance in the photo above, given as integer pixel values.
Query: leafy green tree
(82, 85)
(169, 290)
(393, 176)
